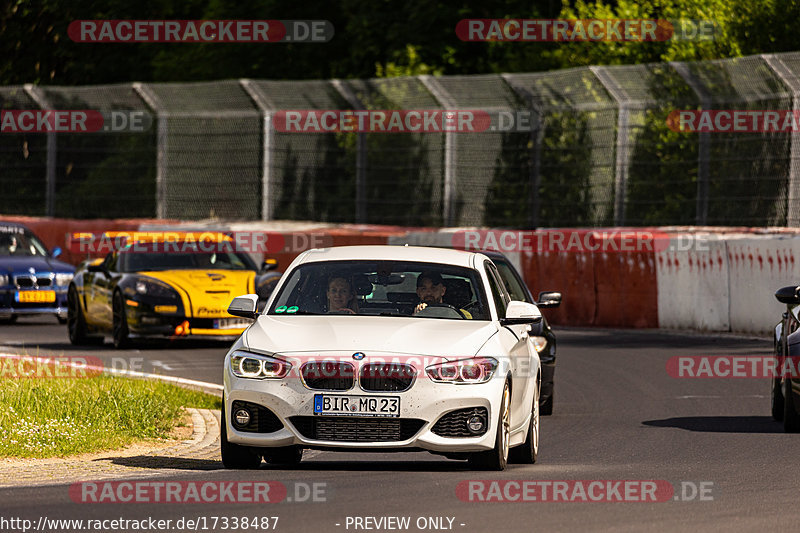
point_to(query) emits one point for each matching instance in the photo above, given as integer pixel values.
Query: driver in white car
(431, 290)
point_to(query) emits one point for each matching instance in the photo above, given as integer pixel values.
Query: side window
(499, 294)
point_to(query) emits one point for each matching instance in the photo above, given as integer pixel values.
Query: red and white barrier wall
(717, 279)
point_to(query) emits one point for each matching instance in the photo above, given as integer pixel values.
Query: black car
(518, 290)
(32, 280)
(786, 389)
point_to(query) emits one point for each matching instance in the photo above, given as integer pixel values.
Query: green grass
(61, 417)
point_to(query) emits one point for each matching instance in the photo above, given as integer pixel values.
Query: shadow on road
(374, 466)
(178, 463)
(166, 463)
(720, 424)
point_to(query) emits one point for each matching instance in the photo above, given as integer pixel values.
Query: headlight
(257, 366)
(63, 279)
(539, 343)
(473, 370)
(152, 287)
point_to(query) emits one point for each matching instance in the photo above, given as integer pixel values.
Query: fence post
(38, 96)
(151, 99)
(791, 81)
(622, 149)
(450, 179)
(361, 152)
(704, 142)
(266, 107)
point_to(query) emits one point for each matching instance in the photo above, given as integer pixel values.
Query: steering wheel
(446, 306)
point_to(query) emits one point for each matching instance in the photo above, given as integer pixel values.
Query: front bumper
(425, 401)
(9, 304)
(144, 322)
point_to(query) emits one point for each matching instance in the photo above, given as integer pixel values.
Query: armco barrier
(723, 280)
(693, 284)
(758, 266)
(570, 273)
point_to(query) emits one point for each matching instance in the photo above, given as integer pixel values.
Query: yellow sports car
(163, 285)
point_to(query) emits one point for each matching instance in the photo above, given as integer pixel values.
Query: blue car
(32, 280)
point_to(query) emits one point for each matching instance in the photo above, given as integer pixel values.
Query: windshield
(383, 288)
(131, 260)
(17, 242)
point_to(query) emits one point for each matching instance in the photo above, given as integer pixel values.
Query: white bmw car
(384, 348)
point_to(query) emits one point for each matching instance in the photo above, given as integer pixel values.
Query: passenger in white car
(341, 297)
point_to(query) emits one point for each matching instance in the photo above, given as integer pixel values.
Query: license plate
(28, 297)
(231, 323)
(340, 405)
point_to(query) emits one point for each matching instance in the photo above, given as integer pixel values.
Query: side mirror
(521, 313)
(56, 252)
(244, 306)
(99, 267)
(269, 264)
(549, 299)
(788, 295)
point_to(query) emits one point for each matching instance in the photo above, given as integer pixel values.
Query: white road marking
(161, 364)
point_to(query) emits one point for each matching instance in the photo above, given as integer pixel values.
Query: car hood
(207, 293)
(413, 336)
(9, 264)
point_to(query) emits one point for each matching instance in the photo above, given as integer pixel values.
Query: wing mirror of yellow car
(244, 306)
(99, 267)
(269, 264)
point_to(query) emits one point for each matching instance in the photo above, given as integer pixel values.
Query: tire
(236, 456)
(528, 451)
(76, 321)
(791, 420)
(119, 330)
(777, 400)
(288, 455)
(497, 458)
(546, 407)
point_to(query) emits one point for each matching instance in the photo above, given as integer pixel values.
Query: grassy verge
(60, 417)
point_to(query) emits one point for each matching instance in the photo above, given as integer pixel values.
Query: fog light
(242, 417)
(475, 424)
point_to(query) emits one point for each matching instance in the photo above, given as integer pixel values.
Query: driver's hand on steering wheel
(420, 307)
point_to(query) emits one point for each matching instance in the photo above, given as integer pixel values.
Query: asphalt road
(618, 416)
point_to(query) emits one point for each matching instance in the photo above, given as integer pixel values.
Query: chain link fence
(596, 150)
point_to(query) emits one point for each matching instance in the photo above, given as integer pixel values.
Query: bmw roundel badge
(358, 356)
